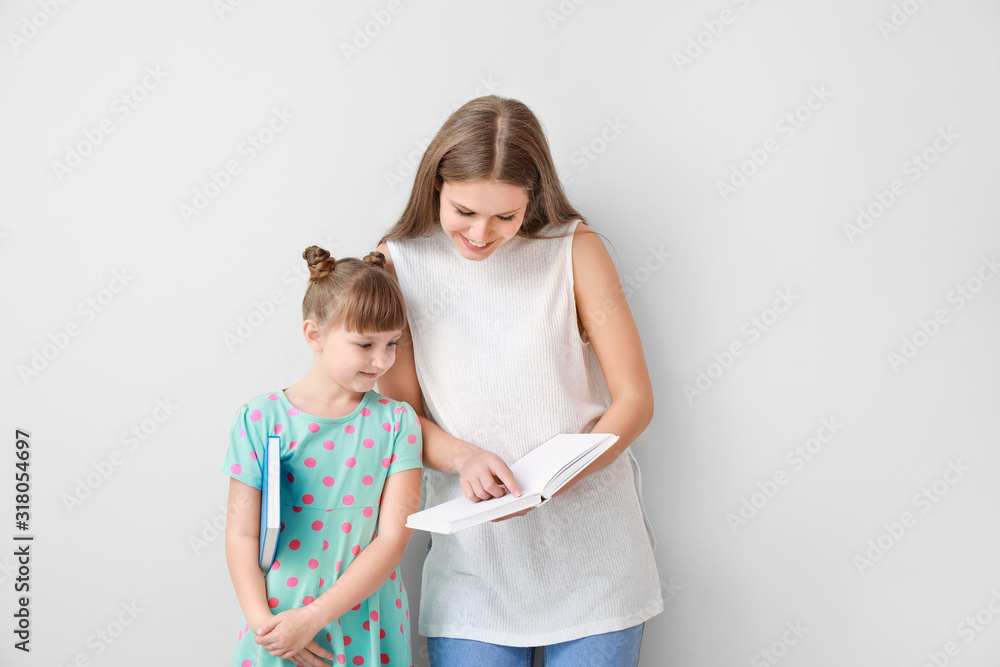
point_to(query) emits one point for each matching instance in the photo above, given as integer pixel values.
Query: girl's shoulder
(389, 406)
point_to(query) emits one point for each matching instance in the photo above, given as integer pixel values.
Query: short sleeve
(246, 448)
(408, 446)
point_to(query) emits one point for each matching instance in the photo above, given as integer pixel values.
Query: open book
(541, 473)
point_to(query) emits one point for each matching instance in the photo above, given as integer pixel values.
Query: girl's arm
(481, 472)
(289, 635)
(243, 552)
(600, 301)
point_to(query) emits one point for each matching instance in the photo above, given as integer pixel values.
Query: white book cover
(540, 473)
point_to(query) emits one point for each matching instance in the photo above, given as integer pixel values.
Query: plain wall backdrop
(801, 199)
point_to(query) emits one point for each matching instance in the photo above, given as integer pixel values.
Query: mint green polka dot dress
(332, 474)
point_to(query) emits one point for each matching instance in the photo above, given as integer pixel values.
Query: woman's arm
(600, 301)
(481, 472)
(243, 552)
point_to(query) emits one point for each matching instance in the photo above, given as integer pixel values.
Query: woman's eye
(507, 219)
(465, 213)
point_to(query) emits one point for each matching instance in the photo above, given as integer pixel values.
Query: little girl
(334, 592)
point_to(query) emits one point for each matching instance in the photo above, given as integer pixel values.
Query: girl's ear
(438, 182)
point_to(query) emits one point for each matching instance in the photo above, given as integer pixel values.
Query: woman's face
(482, 215)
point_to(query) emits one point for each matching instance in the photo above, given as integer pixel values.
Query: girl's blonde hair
(356, 292)
(494, 138)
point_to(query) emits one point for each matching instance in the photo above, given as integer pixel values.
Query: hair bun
(375, 258)
(319, 261)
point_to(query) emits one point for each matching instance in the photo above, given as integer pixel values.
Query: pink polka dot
(307, 599)
(273, 397)
(256, 415)
(348, 499)
(367, 480)
(369, 443)
(278, 428)
(292, 444)
(321, 584)
(310, 462)
(293, 411)
(317, 525)
(393, 575)
(393, 459)
(290, 477)
(367, 626)
(293, 581)
(365, 412)
(412, 439)
(384, 401)
(355, 549)
(385, 463)
(401, 408)
(346, 527)
(396, 426)
(337, 569)
(313, 564)
(273, 602)
(351, 462)
(328, 481)
(387, 426)
(399, 603)
(243, 433)
(296, 508)
(328, 444)
(341, 658)
(246, 663)
(307, 499)
(326, 545)
(313, 427)
(358, 660)
(349, 429)
(368, 512)
(236, 468)
(253, 455)
(294, 544)
(239, 636)
(373, 615)
(276, 564)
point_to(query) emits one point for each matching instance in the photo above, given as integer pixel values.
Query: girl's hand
(482, 473)
(289, 635)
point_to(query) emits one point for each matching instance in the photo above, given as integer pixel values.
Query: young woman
(518, 329)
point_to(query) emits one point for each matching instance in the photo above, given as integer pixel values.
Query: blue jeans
(611, 649)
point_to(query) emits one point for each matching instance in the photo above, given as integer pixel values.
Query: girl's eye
(465, 213)
(393, 343)
(364, 346)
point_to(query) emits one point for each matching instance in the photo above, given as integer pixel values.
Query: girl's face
(354, 360)
(482, 215)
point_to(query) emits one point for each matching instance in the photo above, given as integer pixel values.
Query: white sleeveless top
(501, 364)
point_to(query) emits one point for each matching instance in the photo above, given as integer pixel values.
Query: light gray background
(330, 177)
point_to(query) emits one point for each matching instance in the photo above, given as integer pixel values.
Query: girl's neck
(316, 394)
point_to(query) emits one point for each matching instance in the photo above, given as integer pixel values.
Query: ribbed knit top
(501, 364)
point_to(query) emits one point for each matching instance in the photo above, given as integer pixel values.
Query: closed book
(270, 503)
(540, 474)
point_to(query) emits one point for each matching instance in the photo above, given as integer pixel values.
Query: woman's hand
(289, 635)
(482, 473)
